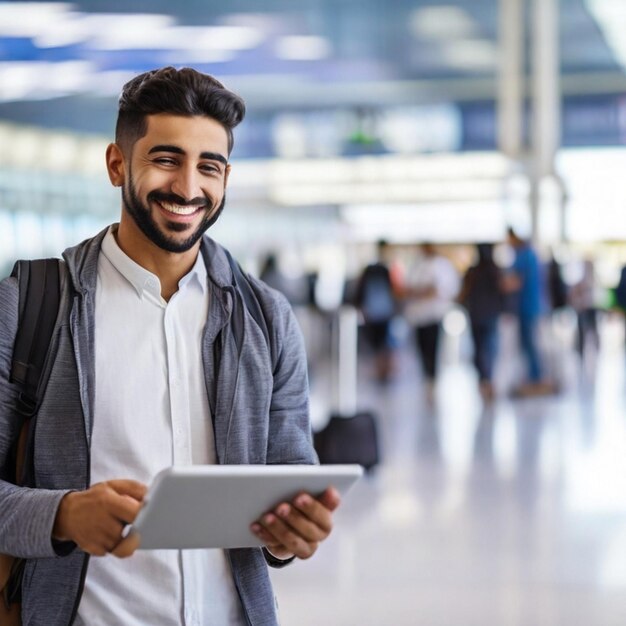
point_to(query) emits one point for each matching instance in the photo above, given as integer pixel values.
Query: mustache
(172, 198)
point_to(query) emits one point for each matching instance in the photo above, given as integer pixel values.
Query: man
(431, 288)
(147, 374)
(481, 295)
(376, 299)
(525, 282)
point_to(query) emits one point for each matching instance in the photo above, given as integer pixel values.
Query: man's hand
(95, 518)
(296, 528)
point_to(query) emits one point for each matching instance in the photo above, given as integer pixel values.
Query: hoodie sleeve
(290, 436)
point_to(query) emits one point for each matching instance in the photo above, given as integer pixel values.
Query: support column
(510, 103)
(511, 108)
(546, 105)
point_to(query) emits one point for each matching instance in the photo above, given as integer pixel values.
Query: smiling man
(147, 374)
(173, 182)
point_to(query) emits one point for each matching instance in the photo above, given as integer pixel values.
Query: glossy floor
(509, 513)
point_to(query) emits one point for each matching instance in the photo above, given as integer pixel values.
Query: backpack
(39, 299)
(375, 297)
(557, 287)
(40, 284)
(620, 290)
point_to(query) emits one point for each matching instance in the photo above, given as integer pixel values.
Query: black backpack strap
(250, 300)
(40, 293)
(39, 283)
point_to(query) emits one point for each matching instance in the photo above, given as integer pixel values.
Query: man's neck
(169, 267)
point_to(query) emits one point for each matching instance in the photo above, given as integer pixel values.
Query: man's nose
(186, 184)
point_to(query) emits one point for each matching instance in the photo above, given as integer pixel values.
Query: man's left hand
(297, 527)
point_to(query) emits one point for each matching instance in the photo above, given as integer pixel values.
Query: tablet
(212, 506)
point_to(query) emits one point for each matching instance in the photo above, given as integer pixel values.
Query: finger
(314, 510)
(287, 537)
(126, 547)
(123, 508)
(330, 499)
(268, 540)
(303, 526)
(132, 488)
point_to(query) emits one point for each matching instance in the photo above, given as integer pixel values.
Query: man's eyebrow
(166, 148)
(214, 156)
(210, 156)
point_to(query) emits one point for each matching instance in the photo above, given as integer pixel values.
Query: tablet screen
(212, 506)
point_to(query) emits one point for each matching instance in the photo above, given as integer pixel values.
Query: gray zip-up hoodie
(258, 400)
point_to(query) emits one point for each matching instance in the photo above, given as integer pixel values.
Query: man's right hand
(95, 518)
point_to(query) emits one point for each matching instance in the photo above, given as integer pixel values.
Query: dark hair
(485, 252)
(184, 92)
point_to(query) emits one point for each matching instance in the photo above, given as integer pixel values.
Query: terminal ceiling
(62, 65)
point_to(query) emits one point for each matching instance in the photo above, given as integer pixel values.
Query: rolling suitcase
(351, 435)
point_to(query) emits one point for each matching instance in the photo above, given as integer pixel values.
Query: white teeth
(179, 210)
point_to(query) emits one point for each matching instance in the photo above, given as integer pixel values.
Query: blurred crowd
(404, 295)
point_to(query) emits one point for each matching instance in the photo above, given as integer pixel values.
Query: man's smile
(179, 209)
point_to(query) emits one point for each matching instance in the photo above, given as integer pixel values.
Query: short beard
(140, 214)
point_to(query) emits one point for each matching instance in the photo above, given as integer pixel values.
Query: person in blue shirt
(525, 283)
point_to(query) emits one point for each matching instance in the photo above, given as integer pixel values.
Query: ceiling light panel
(110, 31)
(470, 54)
(442, 22)
(42, 80)
(30, 19)
(302, 48)
(166, 37)
(52, 25)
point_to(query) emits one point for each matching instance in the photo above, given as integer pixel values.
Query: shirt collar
(140, 278)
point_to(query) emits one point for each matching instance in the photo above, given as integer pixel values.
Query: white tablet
(212, 506)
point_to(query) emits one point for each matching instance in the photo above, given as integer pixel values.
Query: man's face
(174, 186)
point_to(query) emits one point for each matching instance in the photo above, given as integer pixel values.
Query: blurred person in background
(294, 288)
(429, 291)
(271, 275)
(525, 281)
(583, 299)
(481, 295)
(376, 300)
(558, 290)
(147, 372)
(619, 293)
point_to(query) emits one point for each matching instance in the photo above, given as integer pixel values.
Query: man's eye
(165, 161)
(210, 169)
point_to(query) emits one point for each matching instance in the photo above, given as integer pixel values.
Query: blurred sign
(586, 121)
(595, 121)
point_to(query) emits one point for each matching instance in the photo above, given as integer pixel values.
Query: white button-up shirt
(151, 412)
(437, 272)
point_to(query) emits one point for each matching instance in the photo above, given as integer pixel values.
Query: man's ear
(115, 164)
(226, 175)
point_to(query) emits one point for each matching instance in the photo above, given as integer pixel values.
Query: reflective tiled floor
(511, 513)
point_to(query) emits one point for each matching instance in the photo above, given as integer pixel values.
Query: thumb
(330, 498)
(127, 546)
